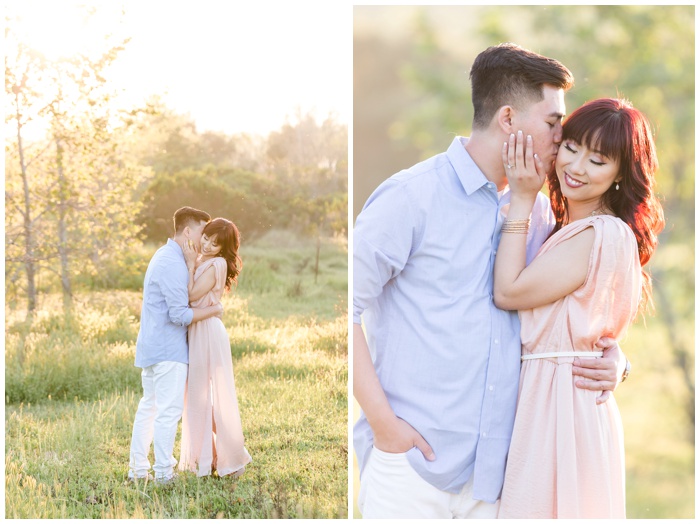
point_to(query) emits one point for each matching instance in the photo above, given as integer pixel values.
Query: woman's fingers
(511, 151)
(534, 161)
(519, 151)
(519, 158)
(529, 152)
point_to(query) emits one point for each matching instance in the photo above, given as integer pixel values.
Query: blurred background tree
(412, 96)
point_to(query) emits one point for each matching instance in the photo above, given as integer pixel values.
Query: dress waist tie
(532, 356)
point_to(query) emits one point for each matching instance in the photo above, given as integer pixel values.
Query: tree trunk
(29, 261)
(680, 353)
(62, 229)
(318, 255)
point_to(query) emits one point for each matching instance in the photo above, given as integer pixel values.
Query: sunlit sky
(233, 66)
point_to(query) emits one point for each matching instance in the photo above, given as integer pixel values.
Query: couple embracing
(185, 355)
(492, 313)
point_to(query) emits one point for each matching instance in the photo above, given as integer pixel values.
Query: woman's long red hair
(228, 237)
(621, 132)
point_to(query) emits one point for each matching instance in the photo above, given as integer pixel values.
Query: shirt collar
(467, 171)
(175, 246)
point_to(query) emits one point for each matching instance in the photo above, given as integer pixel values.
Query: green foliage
(290, 179)
(251, 201)
(124, 270)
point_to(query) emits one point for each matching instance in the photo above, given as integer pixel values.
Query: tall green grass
(72, 390)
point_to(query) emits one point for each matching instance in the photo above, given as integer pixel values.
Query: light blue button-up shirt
(448, 359)
(165, 313)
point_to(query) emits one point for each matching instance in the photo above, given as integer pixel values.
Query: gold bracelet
(516, 226)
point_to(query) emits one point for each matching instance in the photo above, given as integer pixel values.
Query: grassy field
(71, 396)
(659, 450)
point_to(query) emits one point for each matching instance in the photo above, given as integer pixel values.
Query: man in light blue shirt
(437, 374)
(161, 346)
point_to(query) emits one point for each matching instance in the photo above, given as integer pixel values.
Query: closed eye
(569, 148)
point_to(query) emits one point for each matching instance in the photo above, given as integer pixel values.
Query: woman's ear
(504, 119)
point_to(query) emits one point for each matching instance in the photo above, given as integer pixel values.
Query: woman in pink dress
(212, 436)
(566, 457)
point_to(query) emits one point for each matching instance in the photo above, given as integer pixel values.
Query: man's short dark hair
(189, 216)
(507, 74)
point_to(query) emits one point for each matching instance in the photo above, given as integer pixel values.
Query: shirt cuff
(357, 315)
(187, 317)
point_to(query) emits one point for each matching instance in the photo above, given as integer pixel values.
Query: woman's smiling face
(210, 248)
(584, 174)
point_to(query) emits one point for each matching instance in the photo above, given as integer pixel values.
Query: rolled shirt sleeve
(176, 297)
(383, 237)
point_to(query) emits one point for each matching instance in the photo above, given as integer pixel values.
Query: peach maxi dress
(212, 436)
(566, 457)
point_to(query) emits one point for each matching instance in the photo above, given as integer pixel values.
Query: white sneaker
(148, 477)
(165, 481)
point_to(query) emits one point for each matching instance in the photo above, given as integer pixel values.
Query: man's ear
(187, 231)
(504, 119)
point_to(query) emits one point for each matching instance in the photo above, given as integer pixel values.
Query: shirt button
(490, 388)
(483, 434)
(495, 341)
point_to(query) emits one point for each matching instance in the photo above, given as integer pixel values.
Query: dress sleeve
(613, 286)
(220, 270)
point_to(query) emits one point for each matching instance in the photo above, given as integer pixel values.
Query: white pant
(159, 411)
(391, 488)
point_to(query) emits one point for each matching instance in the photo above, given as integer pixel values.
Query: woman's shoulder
(212, 263)
(219, 261)
(611, 225)
(605, 228)
(220, 265)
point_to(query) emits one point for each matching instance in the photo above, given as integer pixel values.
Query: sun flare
(63, 29)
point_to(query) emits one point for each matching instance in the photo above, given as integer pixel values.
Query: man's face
(195, 234)
(542, 121)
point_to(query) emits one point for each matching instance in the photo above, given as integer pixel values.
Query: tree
(24, 194)
(310, 156)
(81, 181)
(250, 200)
(170, 142)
